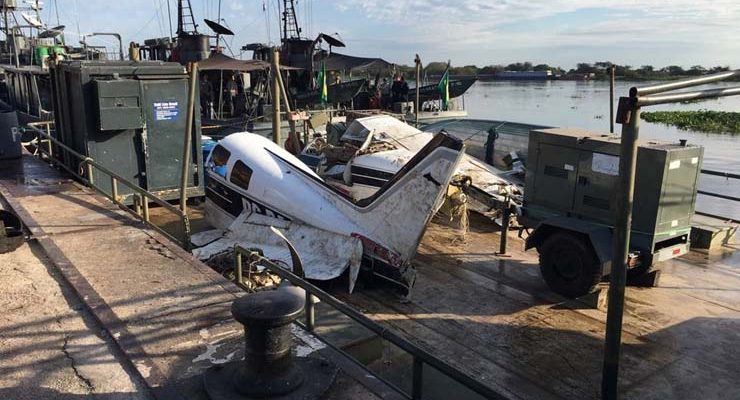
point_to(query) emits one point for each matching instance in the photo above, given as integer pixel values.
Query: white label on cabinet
(605, 164)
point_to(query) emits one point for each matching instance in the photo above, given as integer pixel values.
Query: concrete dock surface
(50, 345)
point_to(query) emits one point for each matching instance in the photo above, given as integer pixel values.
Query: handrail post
(188, 137)
(505, 221)
(48, 132)
(114, 188)
(186, 232)
(417, 382)
(137, 205)
(612, 72)
(417, 106)
(238, 268)
(89, 169)
(310, 314)
(620, 249)
(144, 206)
(276, 97)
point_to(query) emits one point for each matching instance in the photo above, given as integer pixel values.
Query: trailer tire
(569, 265)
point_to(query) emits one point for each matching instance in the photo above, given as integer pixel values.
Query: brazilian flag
(323, 91)
(444, 89)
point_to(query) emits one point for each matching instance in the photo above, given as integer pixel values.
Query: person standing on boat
(206, 97)
(231, 93)
(384, 90)
(396, 89)
(404, 90)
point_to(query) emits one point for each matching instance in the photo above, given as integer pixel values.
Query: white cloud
(473, 27)
(482, 32)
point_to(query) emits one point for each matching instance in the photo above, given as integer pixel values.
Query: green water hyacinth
(701, 121)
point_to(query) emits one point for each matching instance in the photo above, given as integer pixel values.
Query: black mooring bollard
(268, 368)
(269, 371)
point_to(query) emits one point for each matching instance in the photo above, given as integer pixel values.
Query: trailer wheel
(569, 265)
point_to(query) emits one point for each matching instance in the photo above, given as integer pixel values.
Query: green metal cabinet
(131, 118)
(574, 173)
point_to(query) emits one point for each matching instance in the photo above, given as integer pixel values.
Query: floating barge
(488, 316)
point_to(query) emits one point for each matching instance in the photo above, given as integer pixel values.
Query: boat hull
(338, 93)
(457, 88)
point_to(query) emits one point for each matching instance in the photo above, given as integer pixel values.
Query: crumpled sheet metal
(389, 129)
(324, 255)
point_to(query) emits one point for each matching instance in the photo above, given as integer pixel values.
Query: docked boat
(339, 93)
(457, 88)
(26, 54)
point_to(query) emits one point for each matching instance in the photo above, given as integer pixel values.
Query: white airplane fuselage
(280, 188)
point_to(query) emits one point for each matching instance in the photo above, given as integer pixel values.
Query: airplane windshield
(241, 174)
(219, 158)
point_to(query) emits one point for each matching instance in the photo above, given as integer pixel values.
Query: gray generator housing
(574, 173)
(130, 117)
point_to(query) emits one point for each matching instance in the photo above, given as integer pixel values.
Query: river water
(586, 105)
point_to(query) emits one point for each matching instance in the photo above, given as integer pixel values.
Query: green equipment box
(130, 117)
(572, 182)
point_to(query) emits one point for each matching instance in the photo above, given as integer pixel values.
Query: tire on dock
(569, 265)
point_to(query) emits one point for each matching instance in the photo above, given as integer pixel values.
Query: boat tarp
(224, 62)
(339, 62)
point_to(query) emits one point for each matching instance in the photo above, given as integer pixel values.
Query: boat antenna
(218, 35)
(56, 10)
(169, 17)
(266, 11)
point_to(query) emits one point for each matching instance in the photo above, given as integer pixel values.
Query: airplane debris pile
(360, 157)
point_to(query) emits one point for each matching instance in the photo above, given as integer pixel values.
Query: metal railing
(628, 115)
(420, 356)
(726, 175)
(45, 144)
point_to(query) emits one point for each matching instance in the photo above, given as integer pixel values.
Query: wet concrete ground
(50, 347)
(495, 318)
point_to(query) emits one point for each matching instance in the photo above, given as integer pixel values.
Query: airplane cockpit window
(241, 174)
(219, 158)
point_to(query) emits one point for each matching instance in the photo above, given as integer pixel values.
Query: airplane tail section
(395, 217)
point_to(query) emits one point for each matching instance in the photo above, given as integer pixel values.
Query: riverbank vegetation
(598, 69)
(702, 121)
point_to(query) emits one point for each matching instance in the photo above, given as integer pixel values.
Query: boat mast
(5, 31)
(11, 43)
(290, 21)
(185, 11)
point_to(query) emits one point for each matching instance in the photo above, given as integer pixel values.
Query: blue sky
(482, 32)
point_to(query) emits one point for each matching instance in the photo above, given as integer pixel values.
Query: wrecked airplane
(254, 185)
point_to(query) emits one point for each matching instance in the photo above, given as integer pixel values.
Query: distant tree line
(599, 69)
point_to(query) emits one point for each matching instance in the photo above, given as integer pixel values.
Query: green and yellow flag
(444, 89)
(323, 90)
